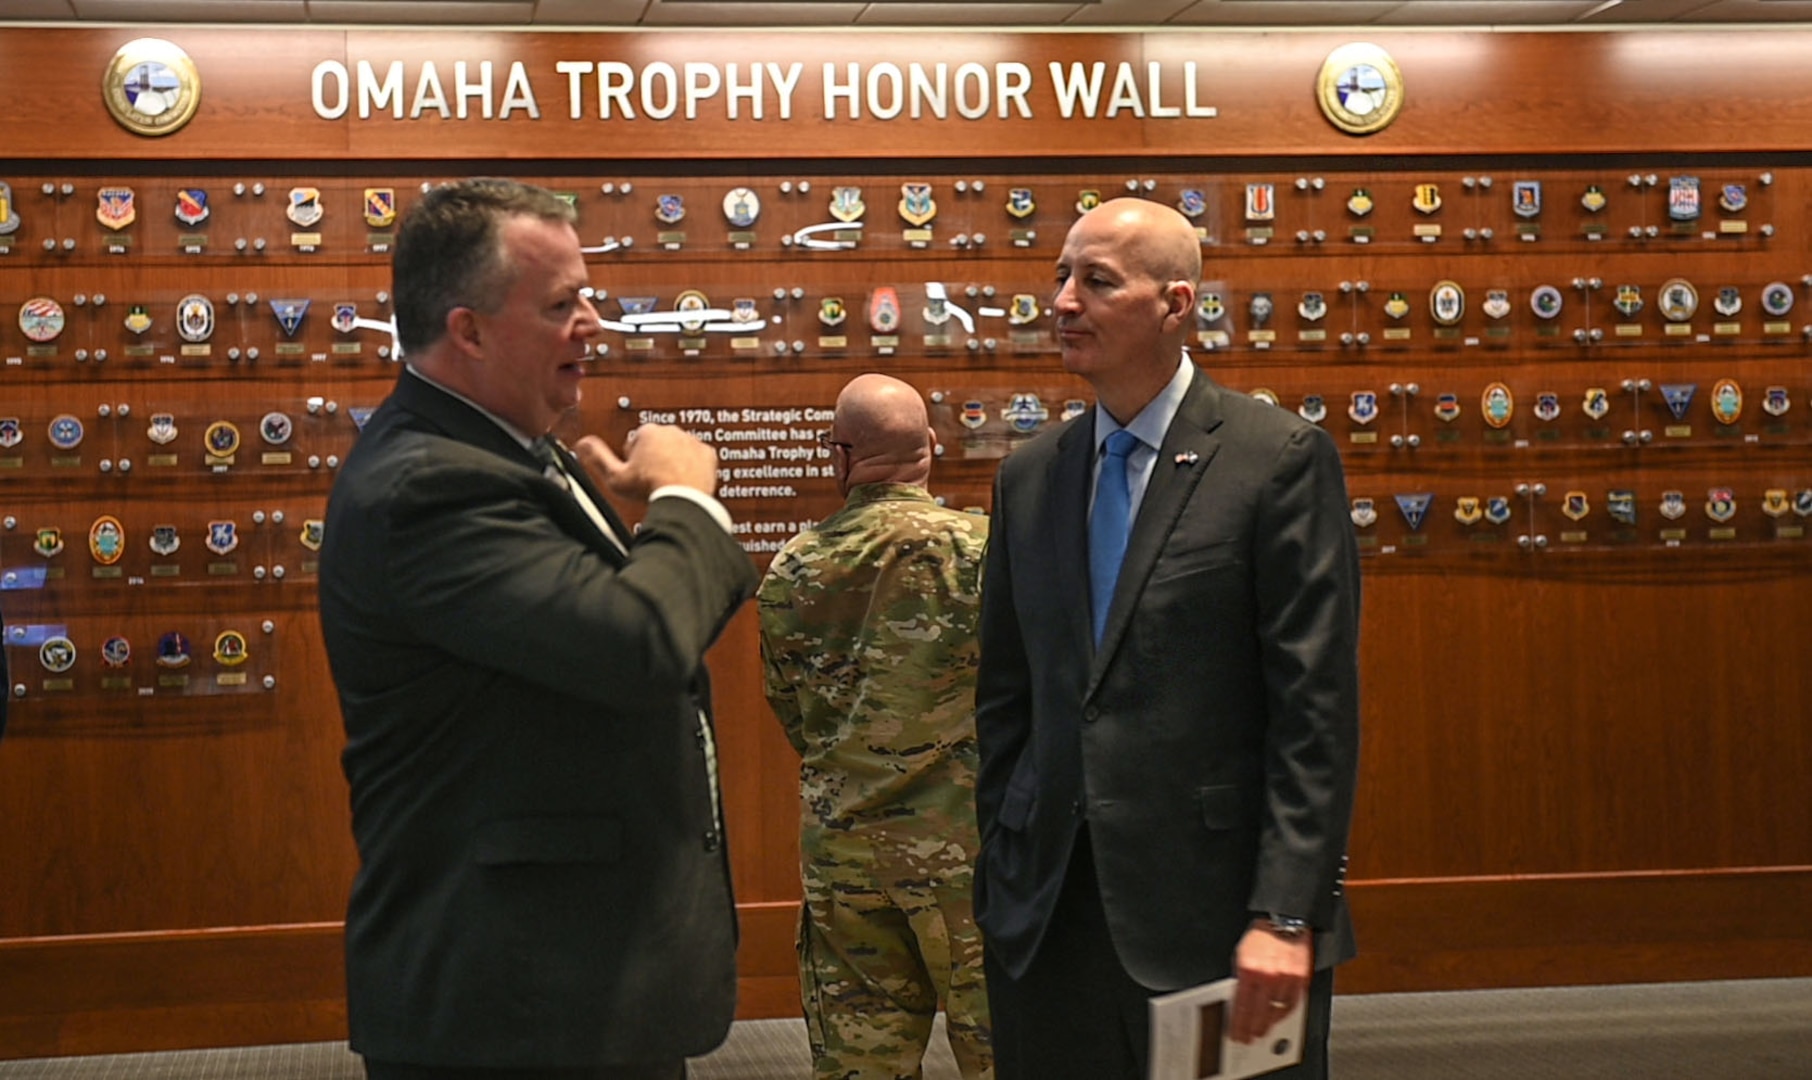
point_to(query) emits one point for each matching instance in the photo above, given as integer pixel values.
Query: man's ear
(463, 332)
(1179, 302)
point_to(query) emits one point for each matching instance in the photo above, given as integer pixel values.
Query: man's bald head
(1125, 300)
(884, 422)
(1156, 239)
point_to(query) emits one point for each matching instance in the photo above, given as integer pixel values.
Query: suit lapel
(1065, 521)
(579, 476)
(460, 421)
(1183, 459)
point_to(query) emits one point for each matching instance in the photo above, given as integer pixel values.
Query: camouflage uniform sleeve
(781, 672)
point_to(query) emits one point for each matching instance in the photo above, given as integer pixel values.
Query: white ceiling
(1024, 14)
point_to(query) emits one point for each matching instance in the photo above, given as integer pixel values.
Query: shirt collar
(528, 442)
(1154, 419)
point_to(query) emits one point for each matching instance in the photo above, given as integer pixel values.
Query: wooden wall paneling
(153, 808)
(767, 962)
(255, 98)
(1575, 725)
(1467, 111)
(171, 990)
(1258, 83)
(1559, 930)
(170, 797)
(1671, 782)
(1607, 723)
(761, 789)
(1434, 729)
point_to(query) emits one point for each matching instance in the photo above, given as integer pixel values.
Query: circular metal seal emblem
(57, 654)
(151, 87)
(41, 318)
(1678, 299)
(276, 428)
(1360, 89)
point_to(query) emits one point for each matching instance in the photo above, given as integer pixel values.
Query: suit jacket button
(1091, 714)
(711, 840)
(1079, 808)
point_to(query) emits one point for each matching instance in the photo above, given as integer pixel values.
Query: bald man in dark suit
(1169, 735)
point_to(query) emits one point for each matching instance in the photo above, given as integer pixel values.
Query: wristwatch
(1286, 927)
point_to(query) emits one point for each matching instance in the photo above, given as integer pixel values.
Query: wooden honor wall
(1586, 740)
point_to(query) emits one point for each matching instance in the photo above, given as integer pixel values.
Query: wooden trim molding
(1579, 929)
(115, 993)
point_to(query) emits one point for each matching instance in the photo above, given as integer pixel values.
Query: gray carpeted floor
(1759, 1030)
(1756, 1030)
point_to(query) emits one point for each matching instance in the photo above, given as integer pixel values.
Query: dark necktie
(548, 450)
(1108, 525)
(553, 457)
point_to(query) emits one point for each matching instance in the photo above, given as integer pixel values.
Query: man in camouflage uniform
(868, 640)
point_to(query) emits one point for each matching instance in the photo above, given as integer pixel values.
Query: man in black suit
(1168, 739)
(543, 890)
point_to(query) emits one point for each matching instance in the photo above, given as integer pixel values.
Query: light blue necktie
(1108, 525)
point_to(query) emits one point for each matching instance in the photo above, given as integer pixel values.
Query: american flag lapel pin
(1187, 457)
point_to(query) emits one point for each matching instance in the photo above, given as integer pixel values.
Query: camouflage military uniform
(868, 638)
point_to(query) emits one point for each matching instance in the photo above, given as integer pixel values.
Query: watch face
(1287, 927)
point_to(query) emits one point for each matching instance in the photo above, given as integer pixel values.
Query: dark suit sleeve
(1307, 583)
(1003, 685)
(477, 567)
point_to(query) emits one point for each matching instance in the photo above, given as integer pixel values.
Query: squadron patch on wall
(116, 207)
(380, 206)
(1414, 507)
(192, 206)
